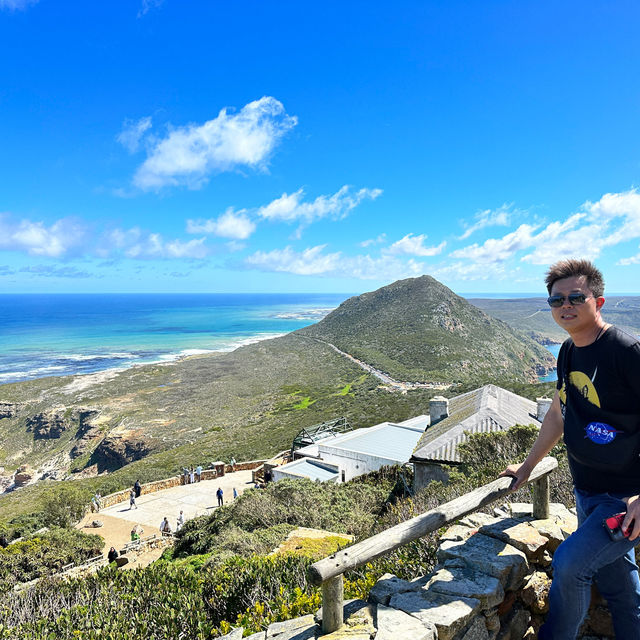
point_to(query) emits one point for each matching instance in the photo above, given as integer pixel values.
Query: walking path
(194, 499)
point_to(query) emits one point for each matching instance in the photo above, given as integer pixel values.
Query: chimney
(543, 407)
(438, 409)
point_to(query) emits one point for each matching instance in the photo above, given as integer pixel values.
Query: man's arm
(550, 433)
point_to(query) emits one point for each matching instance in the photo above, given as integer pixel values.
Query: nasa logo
(600, 433)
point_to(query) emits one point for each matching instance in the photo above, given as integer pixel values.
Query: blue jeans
(587, 555)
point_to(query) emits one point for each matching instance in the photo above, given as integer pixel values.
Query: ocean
(67, 334)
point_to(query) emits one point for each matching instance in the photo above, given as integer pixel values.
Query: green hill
(419, 330)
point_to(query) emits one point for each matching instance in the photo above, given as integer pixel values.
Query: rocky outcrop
(116, 450)
(9, 409)
(48, 424)
(24, 475)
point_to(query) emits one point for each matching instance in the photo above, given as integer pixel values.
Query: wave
(303, 314)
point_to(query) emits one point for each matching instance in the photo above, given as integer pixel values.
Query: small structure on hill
(487, 409)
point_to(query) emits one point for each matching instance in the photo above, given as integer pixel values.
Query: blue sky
(316, 147)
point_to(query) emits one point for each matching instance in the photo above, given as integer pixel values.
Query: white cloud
(132, 133)
(497, 249)
(231, 224)
(292, 208)
(38, 239)
(490, 218)
(412, 245)
(14, 5)
(189, 155)
(312, 261)
(136, 243)
(379, 240)
(147, 5)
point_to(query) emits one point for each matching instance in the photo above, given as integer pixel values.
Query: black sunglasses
(573, 298)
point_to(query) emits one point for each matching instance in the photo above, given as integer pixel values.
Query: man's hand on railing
(520, 474)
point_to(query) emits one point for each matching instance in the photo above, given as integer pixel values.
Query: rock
(398, 625)
(598, 622)
(358, 616)
(520, 535)
(515, 625)
(458, 532)
(49, 424)
(236, 634)
(23, 476)
(535, 593)
(551, 530)
(287, 627)
(450, 614)
(118, 449)
(469, 583)
(388, 585)
(477, 520)
(477, 631)
(96, 524)
(122, 560)
(491, 556)
(9, 409)
(261, 635)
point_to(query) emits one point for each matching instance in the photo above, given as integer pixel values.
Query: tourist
(235, 493)
(112, 555)
(137, 487)
(134, 533)
(232, 462)
(180, 521)
(132, 499)
(192, 474)
(96, 503)
(219, 495)
(165, 527)
(185, 475)
(597, 409)
(199, 472)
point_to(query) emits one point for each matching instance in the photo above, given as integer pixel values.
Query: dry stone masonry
(491, 583)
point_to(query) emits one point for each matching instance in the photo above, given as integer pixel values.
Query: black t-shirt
(599, 389)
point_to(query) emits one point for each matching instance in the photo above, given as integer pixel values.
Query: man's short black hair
(572, 268)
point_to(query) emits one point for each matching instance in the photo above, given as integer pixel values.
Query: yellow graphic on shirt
(582, 383)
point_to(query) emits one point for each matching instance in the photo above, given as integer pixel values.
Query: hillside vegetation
(419, 330)
(219, 574)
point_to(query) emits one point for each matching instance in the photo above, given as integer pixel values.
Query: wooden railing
(328, 572)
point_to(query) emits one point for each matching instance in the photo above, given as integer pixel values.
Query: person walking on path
(137, 487)
(165, 527)
(199, 472)
(132, 499)
(96, 503)
(232, 463)
(219, 495)
(180, 521)
(596, 408)
(112, 555)
(235, 493)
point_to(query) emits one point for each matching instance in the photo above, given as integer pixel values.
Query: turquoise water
(49, 335)
(552, 376)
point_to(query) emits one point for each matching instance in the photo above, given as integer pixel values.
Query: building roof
(489, 408)
(388, 440)
(305, 468)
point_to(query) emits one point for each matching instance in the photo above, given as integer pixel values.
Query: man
(219, 495)
(165, 527)
(597, 410)
(199, 472)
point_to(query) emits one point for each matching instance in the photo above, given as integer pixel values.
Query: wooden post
(541, 498)
(332, 602)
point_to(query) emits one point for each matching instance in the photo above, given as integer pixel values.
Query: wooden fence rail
(328, 572)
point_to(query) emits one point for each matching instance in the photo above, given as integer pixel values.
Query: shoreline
(102, 375)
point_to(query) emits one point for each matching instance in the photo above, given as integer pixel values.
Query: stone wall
(491, 583)
(167, 483)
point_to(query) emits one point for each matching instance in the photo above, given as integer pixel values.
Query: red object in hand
(613, 525)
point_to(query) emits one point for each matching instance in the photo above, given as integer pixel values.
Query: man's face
(577, 317)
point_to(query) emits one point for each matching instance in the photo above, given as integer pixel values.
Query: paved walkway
(194, 499)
